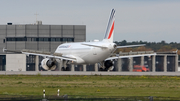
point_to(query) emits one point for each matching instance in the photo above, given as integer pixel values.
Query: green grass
(96, 86)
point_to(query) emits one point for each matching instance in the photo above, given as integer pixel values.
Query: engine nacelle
(48, 64)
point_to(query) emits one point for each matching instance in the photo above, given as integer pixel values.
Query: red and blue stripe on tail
(110, 28)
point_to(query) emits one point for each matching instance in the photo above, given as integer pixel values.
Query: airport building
(34, 37)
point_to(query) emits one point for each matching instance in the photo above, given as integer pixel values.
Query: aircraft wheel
(67, 69)
(106, 69)
(101, 69)
(63, 69)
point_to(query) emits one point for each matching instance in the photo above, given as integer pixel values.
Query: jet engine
(48, 64)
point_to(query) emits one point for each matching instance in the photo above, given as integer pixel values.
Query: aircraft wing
(130, 46)
(129, 56)
(41, 53)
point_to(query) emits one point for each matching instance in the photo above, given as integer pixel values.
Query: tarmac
(87, 73)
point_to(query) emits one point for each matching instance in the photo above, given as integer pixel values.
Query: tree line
(150, 46)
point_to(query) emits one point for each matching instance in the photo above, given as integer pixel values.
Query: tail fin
(110, 28)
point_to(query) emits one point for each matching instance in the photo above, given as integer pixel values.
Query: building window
(58, 39)
(70, 40)
(64, 39)
(10, 39)
(46, 39)
(41, 39)
(34, 39)
(29, 39)
(20, 39)
(53, 39)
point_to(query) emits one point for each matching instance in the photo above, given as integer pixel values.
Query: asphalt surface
(86, 73)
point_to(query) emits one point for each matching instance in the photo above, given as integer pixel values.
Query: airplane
(83, 52)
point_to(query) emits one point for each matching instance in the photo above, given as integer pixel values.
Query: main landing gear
(108, 65)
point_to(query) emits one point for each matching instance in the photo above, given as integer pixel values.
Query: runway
(87, 73)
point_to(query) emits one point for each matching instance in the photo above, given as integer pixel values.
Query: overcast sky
(135, 20)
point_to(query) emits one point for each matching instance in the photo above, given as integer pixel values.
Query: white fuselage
(86, 54)
(91, 52)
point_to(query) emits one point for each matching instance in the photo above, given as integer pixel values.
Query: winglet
(4, 49)
(14, 51)
(176, 50)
